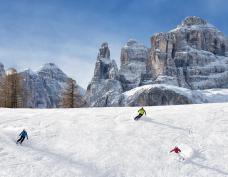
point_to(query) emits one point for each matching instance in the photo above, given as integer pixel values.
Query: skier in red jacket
(177, 151)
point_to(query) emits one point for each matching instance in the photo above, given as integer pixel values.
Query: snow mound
(194, 96)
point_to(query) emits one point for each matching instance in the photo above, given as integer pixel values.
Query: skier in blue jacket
(22, 135)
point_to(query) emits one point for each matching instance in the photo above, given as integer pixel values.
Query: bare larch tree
(11, 91)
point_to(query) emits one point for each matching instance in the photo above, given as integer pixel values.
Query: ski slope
(106, 142)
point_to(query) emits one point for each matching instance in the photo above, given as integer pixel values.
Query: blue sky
(69, 32)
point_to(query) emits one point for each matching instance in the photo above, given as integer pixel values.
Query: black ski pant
(21, 139)
(138, 117)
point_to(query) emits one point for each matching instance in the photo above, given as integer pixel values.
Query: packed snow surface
(107, 142)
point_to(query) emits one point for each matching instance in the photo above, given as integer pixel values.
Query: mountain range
(188, 64)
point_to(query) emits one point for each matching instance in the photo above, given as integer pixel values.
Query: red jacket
(176, 150)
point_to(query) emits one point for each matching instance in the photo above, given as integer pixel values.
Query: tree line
(14, 95)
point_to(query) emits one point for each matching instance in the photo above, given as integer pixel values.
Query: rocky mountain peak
(52, 71)
(29, 71)
(131, 42)
(105, 68)
(105, 85)
(2, 70)
(49, 66)
(46, 86)
(104, 51)
(1, 66)
(194, 55)
(193, 20)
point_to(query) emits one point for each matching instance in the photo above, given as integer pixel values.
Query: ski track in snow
(107, 142)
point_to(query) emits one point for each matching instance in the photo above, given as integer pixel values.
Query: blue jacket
(24, 134)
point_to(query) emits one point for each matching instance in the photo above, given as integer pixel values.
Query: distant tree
(2, 93)
(11, 91)
(69, 96)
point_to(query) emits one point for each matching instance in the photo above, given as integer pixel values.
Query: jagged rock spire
(105, 85)
(104, 51)
(2, 70)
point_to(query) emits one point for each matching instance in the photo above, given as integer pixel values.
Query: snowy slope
(106, 142)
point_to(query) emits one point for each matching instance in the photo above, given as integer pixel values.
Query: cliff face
(133, 69)
(105, 86)
(44, 88)
(194, 55)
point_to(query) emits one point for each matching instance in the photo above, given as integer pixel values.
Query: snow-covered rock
(162, 94)
(105, 68)
(50, 72)
(36, 93)
(44, 88)
(157, 94)
(105, 86)
(133, 69)
(194, 55)
(133, 51)
(104, 93)
(180, 67)
(54, 81)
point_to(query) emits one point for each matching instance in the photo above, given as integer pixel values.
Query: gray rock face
(133, 52)
(50, 72)
(105, 86)
(162, 94)
(105, 68)
(203, 36)
(37, 95)
(133, 69)
(45, 87)
(104, 93)
(194, 55)
(54, 80)
(155, 95)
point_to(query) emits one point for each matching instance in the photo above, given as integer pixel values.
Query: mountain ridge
(193, 56)
(45, 86)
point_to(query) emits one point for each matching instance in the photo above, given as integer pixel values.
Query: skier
(22, 135)
(177, 151)
(141, 111)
